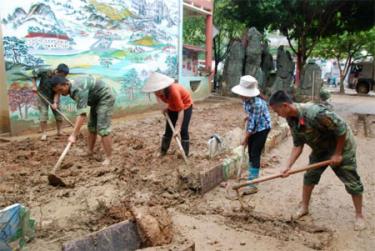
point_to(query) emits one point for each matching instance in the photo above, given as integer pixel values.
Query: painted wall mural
(120, 41)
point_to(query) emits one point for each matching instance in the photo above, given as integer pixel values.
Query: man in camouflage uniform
(44, 88)
(95, 98)
(330, 138)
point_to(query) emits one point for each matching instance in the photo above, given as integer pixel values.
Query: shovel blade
(55, 181)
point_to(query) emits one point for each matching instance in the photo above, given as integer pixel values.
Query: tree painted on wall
(106, 61)
(21, 99)
(17, 53)
(172, 64)
(130, 83)
(14, 49)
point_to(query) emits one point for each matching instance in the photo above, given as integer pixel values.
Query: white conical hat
(156, 82)
(248, 87)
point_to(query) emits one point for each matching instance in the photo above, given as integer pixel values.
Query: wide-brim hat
(248, 87)
(156, 82)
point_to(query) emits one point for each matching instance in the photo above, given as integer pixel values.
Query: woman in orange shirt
(180, 108)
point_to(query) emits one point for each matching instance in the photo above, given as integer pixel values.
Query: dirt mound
(154, 225)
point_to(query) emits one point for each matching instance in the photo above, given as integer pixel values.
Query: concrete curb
(213, 177)
(121, 236)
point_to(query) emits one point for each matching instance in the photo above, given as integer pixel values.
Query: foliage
(303, 21)
(16, 52)
(21, 99)
(346, 46)
(194, 31)
(130, 83)
(172, 64)
(229, 29)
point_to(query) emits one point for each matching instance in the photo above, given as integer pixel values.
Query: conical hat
(156, 82)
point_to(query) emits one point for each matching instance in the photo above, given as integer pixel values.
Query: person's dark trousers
(184, 131)
(255, 146)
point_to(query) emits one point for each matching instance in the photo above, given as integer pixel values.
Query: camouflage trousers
(43, 107)
(346, 172)
(100, 118)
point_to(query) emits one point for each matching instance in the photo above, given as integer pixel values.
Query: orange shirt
(179, 98)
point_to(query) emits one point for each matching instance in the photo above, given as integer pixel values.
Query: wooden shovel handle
(177, 139)
(275, 176)
(57, 110)
(58, 164)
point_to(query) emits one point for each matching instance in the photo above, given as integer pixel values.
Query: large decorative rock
(233, 66)
(254, 55)
(267, 65)
(285, 70)
(311, 81)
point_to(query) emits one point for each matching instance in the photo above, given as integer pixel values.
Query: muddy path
(101, 196)
(137, 176)
(218, 224)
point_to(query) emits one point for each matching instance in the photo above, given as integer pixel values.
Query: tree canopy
(347, 47)
(304, 22)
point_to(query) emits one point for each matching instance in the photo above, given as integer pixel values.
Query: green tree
(345, 47)
(304, 22)
(194, 30)
(130, 83)
(15, 49)
(172, 65)
(229, 29)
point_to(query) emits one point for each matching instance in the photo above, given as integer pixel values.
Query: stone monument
(267, 66)
(311, 80)
(254, 56)
(285, 71)
(233, 66)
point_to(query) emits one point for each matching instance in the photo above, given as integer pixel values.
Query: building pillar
(209, 31)
(4, 105)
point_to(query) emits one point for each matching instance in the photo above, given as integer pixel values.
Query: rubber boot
(252, 188)
(185, 145)
(165, 143)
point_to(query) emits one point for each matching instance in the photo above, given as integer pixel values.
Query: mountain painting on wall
(120, 41)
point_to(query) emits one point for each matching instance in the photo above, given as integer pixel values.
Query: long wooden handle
(243, 152)
(58, 164)
(177, 139)
(275, 176)
(57, 110)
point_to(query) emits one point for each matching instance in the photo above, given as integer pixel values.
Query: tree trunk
(298, 69)
(342, 89)
(26, 111)
(342, 76)
(216, 56)
(20, 111)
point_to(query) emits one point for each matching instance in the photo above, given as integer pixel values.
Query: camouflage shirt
(44, 88)
(319, 128)
(88, 91)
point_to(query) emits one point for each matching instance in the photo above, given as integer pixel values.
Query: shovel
(53, 179)
(57, 110)
(243, 152)
(274, 176)
(279, 175)
(177, 138)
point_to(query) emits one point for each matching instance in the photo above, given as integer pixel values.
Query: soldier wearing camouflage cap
(329, 137)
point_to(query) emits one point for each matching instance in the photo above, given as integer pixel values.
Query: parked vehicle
(362, 76)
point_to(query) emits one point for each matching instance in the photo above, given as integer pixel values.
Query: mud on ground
(100, 196)
(137, 176)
